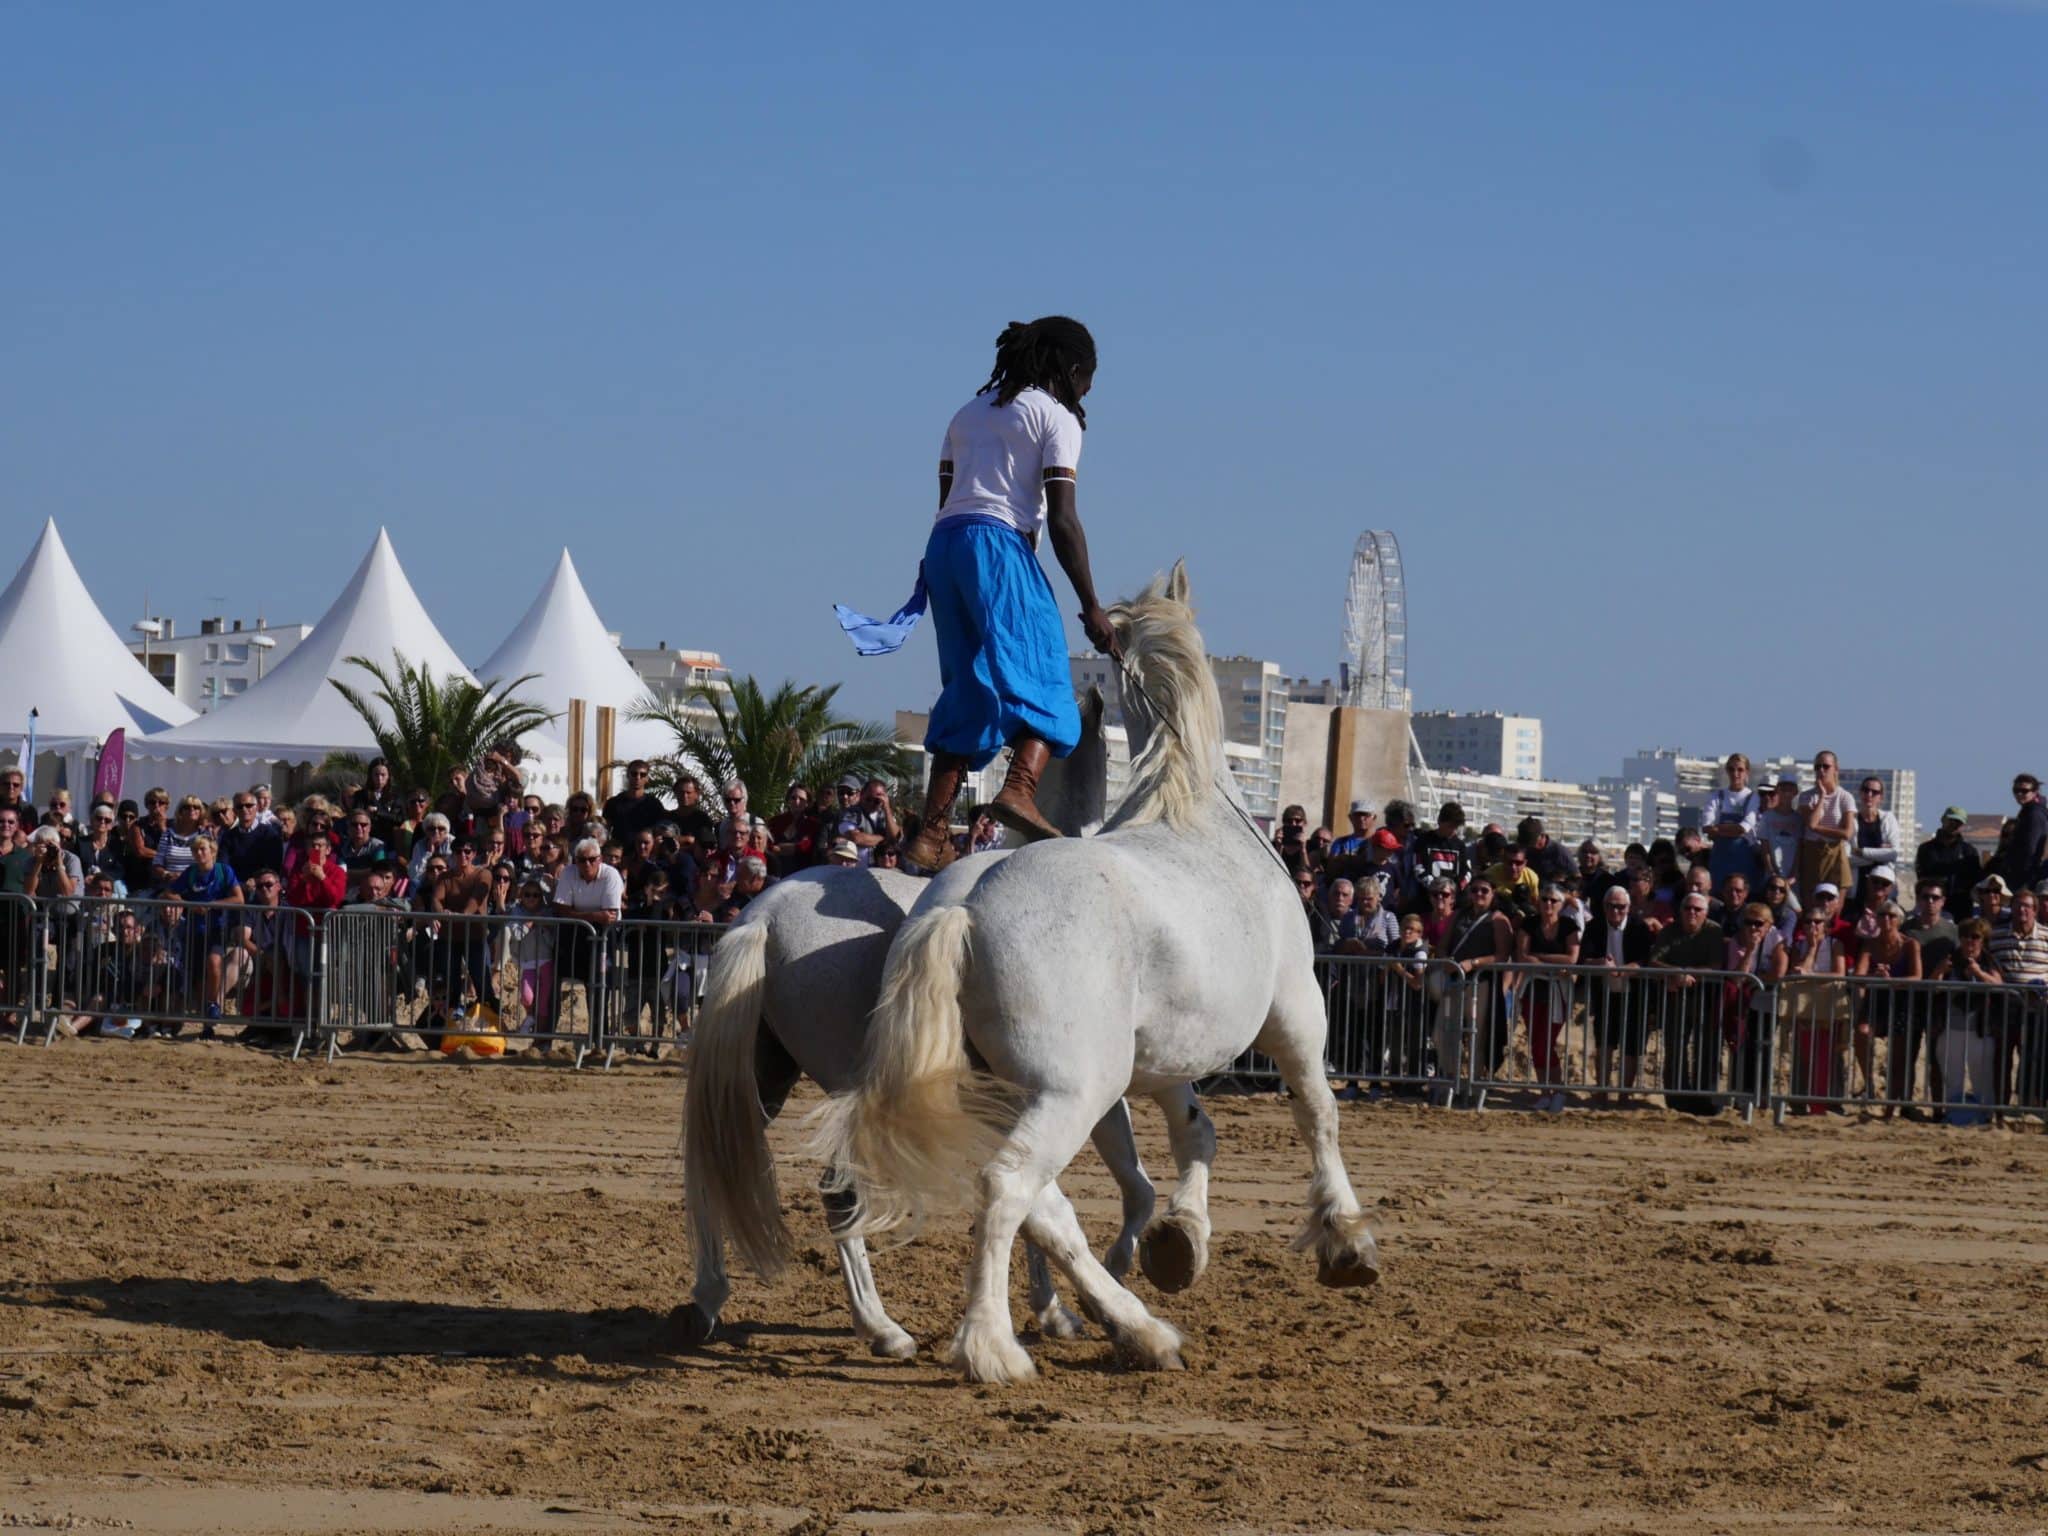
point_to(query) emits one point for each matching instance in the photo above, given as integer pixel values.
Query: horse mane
(1173, 777)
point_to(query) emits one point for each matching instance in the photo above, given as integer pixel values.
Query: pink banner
(106, 779)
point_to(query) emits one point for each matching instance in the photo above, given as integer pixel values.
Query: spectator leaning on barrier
(1373, 926)
(2020, 951)
(591, 891)
(1691, 1023)
(1947, 858)
(1618, 940)
(1547, 938)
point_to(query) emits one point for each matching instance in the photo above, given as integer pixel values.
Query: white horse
(1141, 959)
(791, 987)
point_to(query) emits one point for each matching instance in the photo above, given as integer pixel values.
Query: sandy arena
(399, 1295)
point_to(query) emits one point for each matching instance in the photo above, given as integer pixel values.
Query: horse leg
(1143, 1339)
(1054, 1320)
(871, 1321)
(1175, 1250)
(691, 1325)
(1044, 1140)
(1118, 1149)
(1336, 1227)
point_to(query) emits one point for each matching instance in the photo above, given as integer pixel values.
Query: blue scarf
(883, 637)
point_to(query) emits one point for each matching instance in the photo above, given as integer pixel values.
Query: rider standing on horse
(1006, 471)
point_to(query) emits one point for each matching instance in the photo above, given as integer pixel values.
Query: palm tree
(769, 741)
(429, 725)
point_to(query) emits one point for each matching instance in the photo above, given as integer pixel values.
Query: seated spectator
(315, 825)
(750, 879)
(1992, 894)
(128, 975)
(210, 885)
(1881, 884)
(256, 968)
(1734, 896)
(793, 833)
(251, 844)
(983, 832)
(173, 854)
(886, 856)
(360, 849)
(436, 840)
(99, 851)
(379, 797)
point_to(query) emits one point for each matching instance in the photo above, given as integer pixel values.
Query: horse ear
(1092, 705)
(1177, 582)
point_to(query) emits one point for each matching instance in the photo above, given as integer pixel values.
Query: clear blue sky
(1693, 352)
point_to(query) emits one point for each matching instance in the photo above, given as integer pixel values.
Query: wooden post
(575, 746)
(607, 723)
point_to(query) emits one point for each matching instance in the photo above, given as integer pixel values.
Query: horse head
(1176, 720)
(1074, 793)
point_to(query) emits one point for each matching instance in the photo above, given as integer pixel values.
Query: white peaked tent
(65, 661)
(295, 715)
(564, 642)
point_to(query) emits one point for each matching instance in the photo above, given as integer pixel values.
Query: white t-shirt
(603, 892)
(1000, 453)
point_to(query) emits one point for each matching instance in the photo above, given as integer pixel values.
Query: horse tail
(910, 1136)
(728, 1175)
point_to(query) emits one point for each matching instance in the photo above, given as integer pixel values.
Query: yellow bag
(485, 1033)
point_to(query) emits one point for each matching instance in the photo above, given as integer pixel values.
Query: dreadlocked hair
(1043, 355)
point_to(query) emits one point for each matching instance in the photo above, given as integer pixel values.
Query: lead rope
(1160, 717)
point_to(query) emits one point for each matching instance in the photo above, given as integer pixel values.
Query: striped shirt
(2021, 958)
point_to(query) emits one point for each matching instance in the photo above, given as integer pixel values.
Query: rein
(1160, 717)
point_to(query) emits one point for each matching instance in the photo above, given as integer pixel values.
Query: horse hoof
(1348, 1269)
(897, 1345)
(687, 1328)
(1056, 1322)
(992, 1360)
(1168, 1255)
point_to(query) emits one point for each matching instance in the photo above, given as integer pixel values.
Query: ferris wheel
(1374, 670)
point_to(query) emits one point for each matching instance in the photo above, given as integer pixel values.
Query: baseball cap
(1954, 813)
(1363, 808)
(1385, 839)
(1827, 888)
(1884, 872)
(849, 781)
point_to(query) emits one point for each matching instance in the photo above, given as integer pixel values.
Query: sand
(242, 1295)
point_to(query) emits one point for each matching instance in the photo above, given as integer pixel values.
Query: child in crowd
(533, 950)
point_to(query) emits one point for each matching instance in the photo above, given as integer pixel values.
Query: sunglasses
(1754, 922)
(245, 805)
(587, 858)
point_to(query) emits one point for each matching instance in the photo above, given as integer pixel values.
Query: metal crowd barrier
(130, 965)
(438, 975)
(654, 974)
(1699, 1039)
(1963, 1050)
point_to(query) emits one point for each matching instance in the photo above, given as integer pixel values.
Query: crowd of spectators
(1776, 882)
(479, 844)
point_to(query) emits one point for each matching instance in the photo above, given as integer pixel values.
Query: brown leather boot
(932, 849)
(1016, 804)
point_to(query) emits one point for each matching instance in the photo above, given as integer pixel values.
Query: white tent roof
(65, 660)
(565, 643)
(295, 714)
